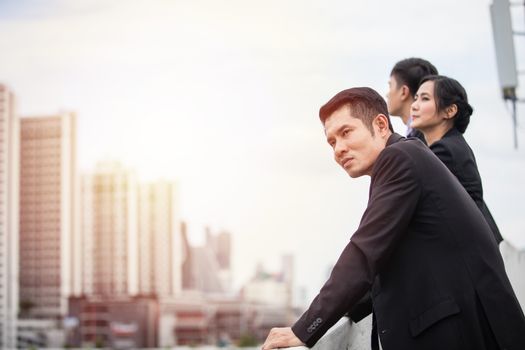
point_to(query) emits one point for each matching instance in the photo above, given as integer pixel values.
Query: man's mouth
(346, 161)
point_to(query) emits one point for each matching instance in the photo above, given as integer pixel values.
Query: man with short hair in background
(402, 87)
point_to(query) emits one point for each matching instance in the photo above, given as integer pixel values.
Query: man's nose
(339, 149)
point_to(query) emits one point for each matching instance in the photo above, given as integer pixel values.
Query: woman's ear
(451, 111)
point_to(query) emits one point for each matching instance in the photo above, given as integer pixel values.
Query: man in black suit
(423, 248)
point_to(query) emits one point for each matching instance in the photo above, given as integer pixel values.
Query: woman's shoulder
(452, 142)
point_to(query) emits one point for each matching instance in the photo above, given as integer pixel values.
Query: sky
(223, 98)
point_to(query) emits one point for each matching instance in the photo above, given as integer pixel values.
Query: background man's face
(355, 149)
(393, 97)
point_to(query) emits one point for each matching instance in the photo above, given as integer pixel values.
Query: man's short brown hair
(364, 104)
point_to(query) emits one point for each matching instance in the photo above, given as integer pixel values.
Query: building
(40, 333)
(220, 245)
(48, 210)
(9, 182)
(232, 320)
(159, 240)
(188, 282)
(187, 320)
(114, 322)
(205, 271)
(109, 231)
(271, 288)
(195, 318)
(206, 268)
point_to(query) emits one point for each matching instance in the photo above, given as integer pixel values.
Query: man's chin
(353, 174)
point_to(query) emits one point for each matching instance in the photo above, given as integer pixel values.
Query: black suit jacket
(423, 245)
(417, 134)
(454, 151)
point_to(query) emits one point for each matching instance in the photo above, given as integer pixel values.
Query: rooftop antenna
(505, 55)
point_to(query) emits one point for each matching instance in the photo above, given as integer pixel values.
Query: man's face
(394, 97)
(355, 149)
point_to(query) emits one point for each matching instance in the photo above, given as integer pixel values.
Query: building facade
(220, 245)
(114, 322)
(48, 207)
(272, 288)
(9, 182)
(109, 231)
(196, 318)
(160, 246)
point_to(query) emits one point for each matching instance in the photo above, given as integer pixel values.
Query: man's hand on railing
(281, 338)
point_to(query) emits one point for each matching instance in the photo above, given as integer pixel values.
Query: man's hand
(281, 338)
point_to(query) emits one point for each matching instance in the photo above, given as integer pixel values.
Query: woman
(442, 113)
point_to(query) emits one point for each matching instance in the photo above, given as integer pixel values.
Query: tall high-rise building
(48, 207)
(9, 177)
(109, 231)
(159, 240)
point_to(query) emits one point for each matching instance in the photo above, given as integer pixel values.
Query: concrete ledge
(345, 335)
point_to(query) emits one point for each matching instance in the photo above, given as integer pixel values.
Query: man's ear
(381, 124)
(405, 93)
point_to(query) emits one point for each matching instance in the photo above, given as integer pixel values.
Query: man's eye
(346, 132)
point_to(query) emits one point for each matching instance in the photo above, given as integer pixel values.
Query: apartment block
(49, 241)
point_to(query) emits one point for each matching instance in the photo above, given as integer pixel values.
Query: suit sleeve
(394, 193)
(362, 309)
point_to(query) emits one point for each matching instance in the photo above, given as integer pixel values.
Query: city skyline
(106, 239)
(224, 99)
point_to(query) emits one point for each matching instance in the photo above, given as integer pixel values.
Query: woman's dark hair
(448, 92)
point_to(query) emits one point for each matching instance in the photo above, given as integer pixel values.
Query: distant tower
(188, 280)
(160, 244)
(48, 235)
(9, 181)
(109, 228)
(220, 244)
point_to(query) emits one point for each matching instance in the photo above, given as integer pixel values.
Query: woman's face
(425, 115)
